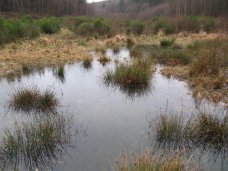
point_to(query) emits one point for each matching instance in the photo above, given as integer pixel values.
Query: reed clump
(38, 144)
(104, 59)
(132, 76)
(203, 130)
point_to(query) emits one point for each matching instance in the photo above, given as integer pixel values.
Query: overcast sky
(89, 1)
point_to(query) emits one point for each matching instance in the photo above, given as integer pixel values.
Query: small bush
(211, 130)
(166, 26)
(136, 27)
(49, 25)
(33, 99)
(86, 29)
(101, 27)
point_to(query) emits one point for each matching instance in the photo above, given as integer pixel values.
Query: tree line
(51, 7)
(199, 7)
(187, 7)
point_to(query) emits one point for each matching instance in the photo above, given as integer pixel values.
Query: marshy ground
(113, 83)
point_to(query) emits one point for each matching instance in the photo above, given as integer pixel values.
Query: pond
(113, 121)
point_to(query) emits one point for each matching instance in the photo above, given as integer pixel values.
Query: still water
(113, 122)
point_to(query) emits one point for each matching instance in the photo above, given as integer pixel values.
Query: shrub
(170, 56)
(101, 27)
(49, 25)
(166, 26)
(82, 19)
(86, 29)
(136, 27)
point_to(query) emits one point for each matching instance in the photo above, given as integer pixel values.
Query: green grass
(32, 99)
(13, 29)
(39, 144)
(85, 26)
(132, 79)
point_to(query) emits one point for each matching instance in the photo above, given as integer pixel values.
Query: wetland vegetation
(32, 99)
(166, 52)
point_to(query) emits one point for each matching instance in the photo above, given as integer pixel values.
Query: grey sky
(90, 1)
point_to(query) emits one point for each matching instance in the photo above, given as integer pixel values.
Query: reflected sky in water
(114, 121)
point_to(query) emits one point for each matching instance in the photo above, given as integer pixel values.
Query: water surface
(114, 121)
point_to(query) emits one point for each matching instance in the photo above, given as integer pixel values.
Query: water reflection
(114, 121)
(59, 73)
(203, 135)
(39, 144)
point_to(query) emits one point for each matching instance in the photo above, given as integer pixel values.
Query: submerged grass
(133, 78)
(36, 145)
(29, 99)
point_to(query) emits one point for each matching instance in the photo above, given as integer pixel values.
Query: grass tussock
(132, 78)
(36, 145)
(87, 62)
(212, 130)
(32, 99)
(49, 25)
(148, 162)
(203, 130)
(104, 60)
(172, 129)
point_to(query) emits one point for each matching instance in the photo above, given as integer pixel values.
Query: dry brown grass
(48, 50)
